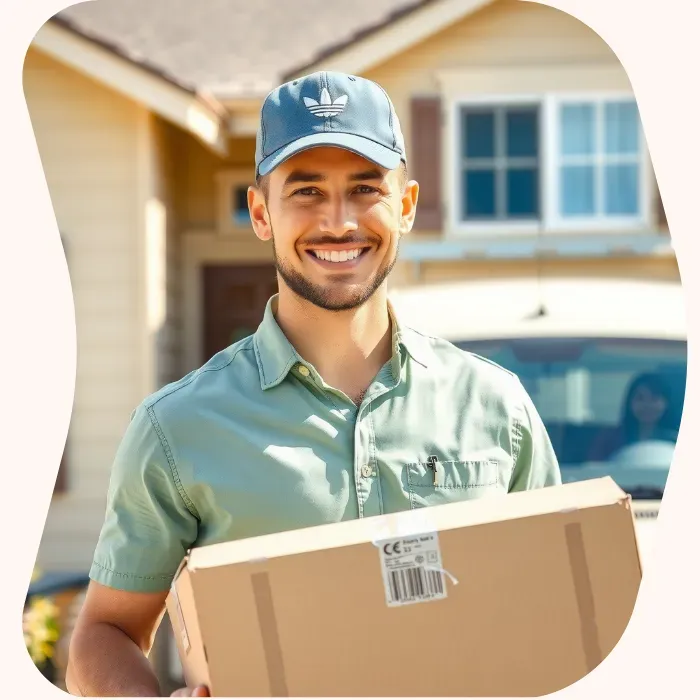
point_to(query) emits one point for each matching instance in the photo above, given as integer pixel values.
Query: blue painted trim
(57, 582)
(544, 246)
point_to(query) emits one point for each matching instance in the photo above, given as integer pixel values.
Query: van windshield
(612, 407)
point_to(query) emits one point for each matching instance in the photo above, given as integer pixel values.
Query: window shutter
(661, 212)
(61, 484)
(425, 164)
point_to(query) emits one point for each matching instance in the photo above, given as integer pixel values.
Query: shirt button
(304, 371)
(366, 471)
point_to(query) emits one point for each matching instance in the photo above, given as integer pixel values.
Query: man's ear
(409, 201)
(259, 215)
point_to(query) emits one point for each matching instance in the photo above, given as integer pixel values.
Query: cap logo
(325, 107)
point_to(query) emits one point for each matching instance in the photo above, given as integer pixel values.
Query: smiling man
(332, 410)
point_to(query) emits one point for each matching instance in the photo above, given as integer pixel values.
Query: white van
(577, 345)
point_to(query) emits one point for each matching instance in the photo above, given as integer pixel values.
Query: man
(331, 410)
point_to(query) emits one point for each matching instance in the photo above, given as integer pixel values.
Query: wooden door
(234, 302)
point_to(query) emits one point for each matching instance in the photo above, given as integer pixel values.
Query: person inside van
(646, 415)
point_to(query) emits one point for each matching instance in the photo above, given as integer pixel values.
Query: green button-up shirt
(255, 442)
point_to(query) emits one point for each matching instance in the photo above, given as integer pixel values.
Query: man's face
(335, 221)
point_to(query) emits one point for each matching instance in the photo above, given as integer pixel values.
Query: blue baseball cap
(328, 109)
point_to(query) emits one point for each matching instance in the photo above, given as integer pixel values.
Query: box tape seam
(578, 563)
(267, 621)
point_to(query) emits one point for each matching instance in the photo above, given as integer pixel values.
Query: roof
(229, 48)
(575, 307)
(199, 114)
(116, 48)
(362, 33)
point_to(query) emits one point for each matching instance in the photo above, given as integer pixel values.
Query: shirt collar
(274, 353)
(415, 343)
(276, 356)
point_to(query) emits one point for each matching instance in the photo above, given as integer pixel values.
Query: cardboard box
(524, 595)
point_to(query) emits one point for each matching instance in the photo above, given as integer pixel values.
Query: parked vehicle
(596, 356)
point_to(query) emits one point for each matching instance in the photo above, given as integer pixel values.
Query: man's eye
(366, 189)
(306, 191)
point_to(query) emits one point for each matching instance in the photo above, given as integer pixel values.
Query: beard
(331, 297)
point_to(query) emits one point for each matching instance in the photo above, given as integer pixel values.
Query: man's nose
(338, 218)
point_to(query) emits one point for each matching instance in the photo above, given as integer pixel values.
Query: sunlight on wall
(156, 222)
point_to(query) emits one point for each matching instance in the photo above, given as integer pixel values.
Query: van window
(611, 406)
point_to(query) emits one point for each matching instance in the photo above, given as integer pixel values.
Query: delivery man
(332, 410)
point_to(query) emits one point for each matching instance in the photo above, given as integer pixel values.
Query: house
(522, 130)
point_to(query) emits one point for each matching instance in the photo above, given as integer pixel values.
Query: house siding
(87, 138)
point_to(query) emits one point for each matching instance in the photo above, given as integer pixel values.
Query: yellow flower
(40, 625)
(45, 607)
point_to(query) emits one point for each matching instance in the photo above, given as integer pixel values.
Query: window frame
(225, 181)
(455, 158)
(602, 223)
(550, 221)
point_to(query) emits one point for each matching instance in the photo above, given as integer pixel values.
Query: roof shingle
(229, 48)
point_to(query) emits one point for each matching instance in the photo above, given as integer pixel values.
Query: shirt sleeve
(536, 464)
(148, 527)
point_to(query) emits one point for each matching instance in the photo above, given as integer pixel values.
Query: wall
(88, 140)
(164, 256)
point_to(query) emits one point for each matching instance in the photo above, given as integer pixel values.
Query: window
(599, 153)
(554, 162)
(232, 189)
(500, 163)
(239, 213)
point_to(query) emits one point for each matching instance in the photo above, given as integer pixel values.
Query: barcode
(415, 583)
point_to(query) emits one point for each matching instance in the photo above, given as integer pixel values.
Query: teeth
(337, 255)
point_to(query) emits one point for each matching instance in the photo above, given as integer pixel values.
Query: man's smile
(337, 257)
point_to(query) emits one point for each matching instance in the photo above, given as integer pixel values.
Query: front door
(234, 302)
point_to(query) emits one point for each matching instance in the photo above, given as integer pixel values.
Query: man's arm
(111, 641)
(115, 631)
(536, 464)
(147, 530)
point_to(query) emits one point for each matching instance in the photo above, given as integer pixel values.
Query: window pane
(577, 195)
(578, 129)
(522, 196)
(239, 205)
(621, 127)
(521, 132)
(479, 194)
(621, 189)
(479, 134)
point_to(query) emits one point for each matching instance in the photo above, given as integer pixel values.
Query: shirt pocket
(457, 480)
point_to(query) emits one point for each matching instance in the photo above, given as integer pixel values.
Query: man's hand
(199, 692)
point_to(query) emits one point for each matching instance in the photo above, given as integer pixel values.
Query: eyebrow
(302, 176)
(372, 174)
(297, 176)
